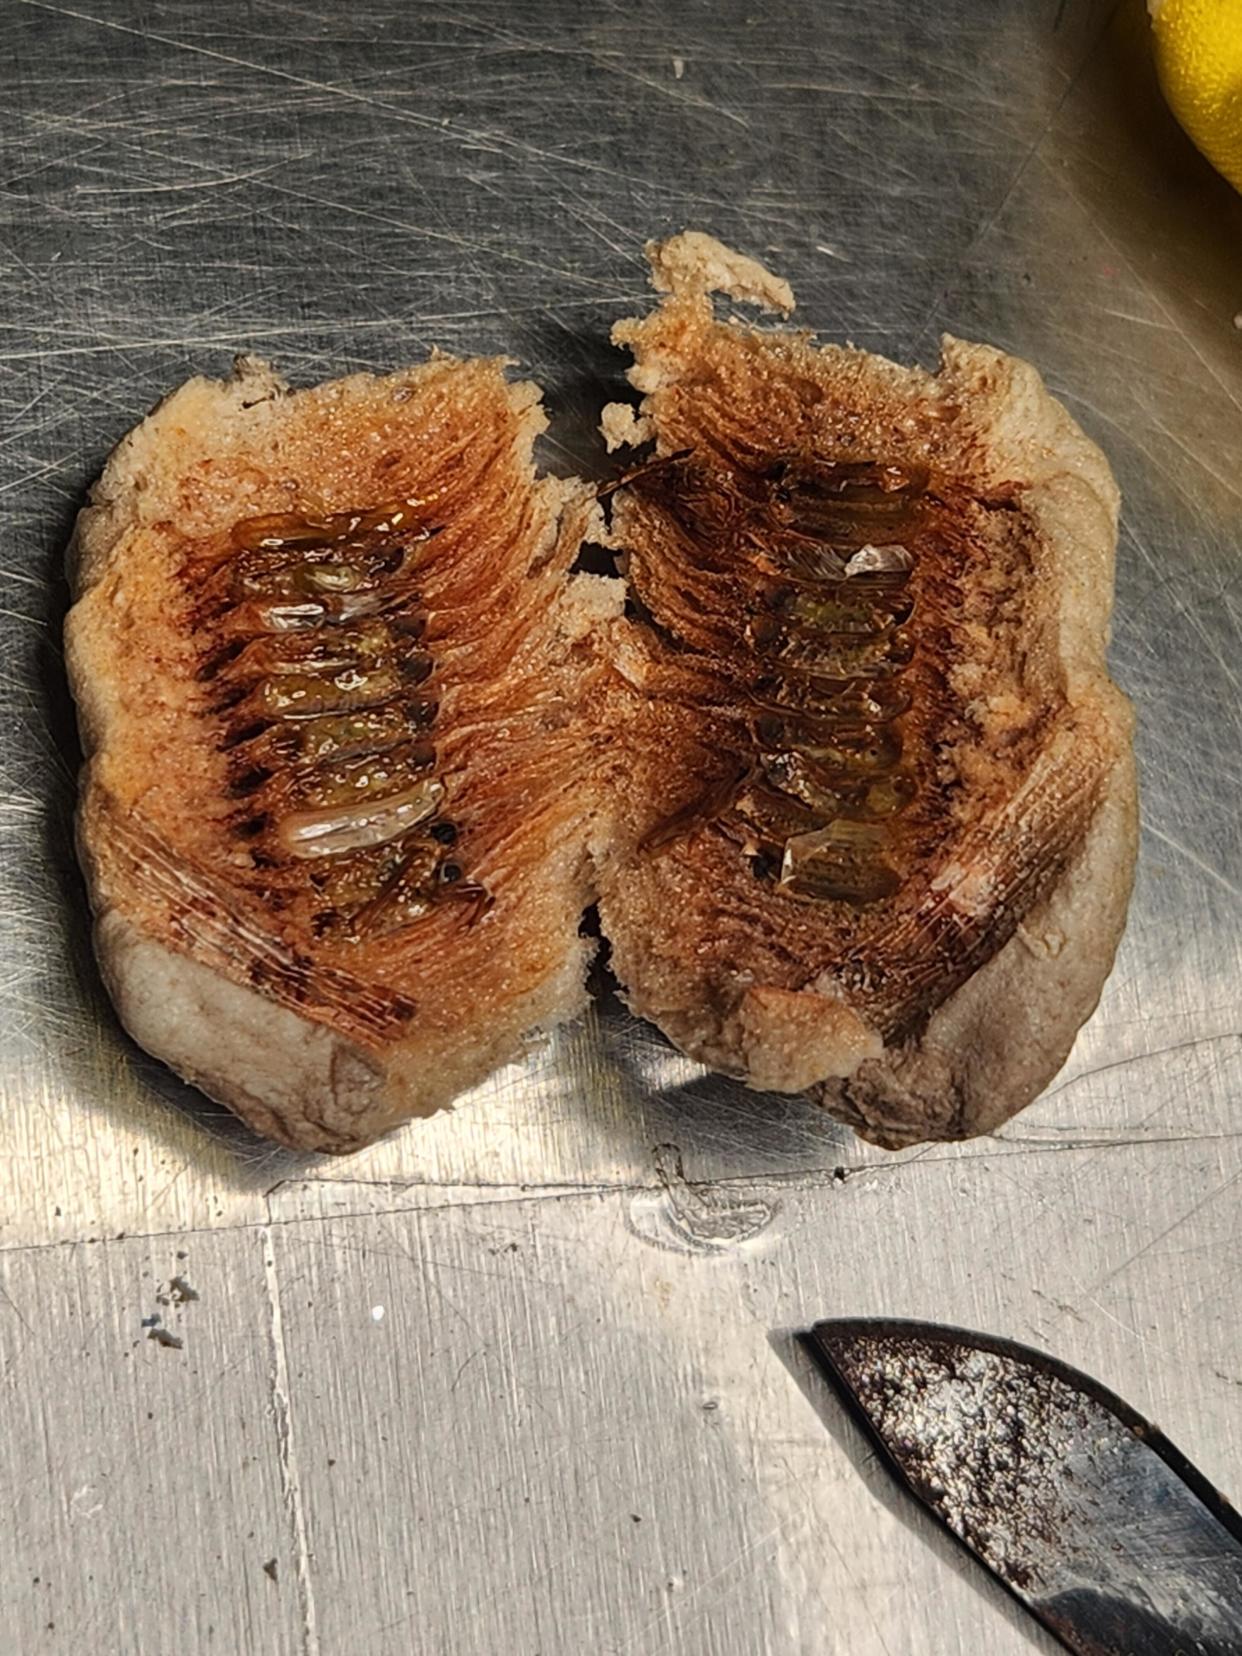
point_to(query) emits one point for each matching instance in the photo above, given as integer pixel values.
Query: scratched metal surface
(521, 1378)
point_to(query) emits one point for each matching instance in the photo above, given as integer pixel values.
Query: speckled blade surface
(1086, 1513)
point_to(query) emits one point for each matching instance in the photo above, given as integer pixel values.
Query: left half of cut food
(335, 687)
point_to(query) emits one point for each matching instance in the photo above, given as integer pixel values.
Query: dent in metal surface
(345, 191)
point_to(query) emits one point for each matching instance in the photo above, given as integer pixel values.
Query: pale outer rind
(288, 1077)
(991, 1046)
(995, 1044)
(291, 1078)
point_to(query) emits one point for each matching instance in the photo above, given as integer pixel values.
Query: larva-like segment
(323, 698)
(819, 651)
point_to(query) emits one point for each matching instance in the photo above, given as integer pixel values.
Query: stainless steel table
(521, 1379)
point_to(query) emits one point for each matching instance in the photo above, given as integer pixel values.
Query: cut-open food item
(849, 782)
(332, 682)
(875, 832)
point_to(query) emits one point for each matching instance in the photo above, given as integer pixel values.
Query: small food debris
(377, 1313)
(269, 1569)
(180, 1291)
(165, 1337)
(153, 1321)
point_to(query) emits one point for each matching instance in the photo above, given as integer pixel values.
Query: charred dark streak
(644, 470)
(794, 578)
(315, 674)
(204, 920)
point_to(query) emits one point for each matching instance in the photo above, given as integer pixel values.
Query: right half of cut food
(874, 832)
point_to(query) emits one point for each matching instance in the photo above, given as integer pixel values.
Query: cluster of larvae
(325, 695)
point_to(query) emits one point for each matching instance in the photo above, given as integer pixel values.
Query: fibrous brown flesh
(850, 783)
(866, 745)
(332, 689)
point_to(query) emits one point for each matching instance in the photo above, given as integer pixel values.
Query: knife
(1089, 1516)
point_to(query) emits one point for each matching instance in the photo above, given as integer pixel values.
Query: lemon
(1199, 59)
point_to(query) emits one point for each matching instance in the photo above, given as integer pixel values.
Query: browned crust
(987, 1049)
(325, 1049)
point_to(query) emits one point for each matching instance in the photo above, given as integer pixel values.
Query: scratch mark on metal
(1214, 874)
(291, 1483)
(1155, 1241)
(1123, 1063)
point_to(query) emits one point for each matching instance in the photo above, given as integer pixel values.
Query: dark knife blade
(1087, 1514)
